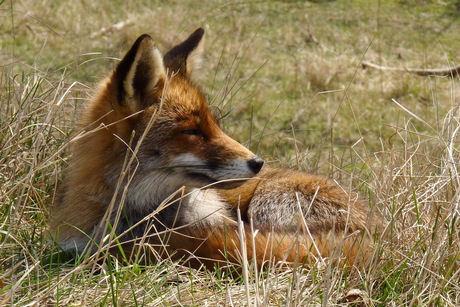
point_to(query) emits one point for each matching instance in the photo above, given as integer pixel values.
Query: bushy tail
(237, 243)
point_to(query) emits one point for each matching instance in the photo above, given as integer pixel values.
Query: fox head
(150, 108)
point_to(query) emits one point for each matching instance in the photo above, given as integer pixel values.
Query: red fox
(152, 168)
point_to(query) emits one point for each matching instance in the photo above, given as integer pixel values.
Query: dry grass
(287, 78)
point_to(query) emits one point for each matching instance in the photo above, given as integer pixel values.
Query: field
(287, 79)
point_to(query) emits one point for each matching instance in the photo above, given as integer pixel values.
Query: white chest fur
(204, 207)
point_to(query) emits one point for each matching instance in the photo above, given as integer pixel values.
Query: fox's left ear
(184, 58)
(138, 74)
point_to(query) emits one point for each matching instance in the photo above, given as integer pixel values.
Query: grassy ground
(287, 78)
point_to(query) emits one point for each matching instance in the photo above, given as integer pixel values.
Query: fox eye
(192, 132)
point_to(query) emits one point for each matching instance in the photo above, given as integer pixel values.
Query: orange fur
(152, 162)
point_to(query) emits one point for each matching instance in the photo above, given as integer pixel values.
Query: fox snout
(255, 164)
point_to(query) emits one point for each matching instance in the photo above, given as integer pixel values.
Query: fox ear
(185, 57)
(138, 73)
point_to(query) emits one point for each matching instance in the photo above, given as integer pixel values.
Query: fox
(151, 169)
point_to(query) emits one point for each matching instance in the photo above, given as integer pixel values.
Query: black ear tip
(198, 33)
(142, 38)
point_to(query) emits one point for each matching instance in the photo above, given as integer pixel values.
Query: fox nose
(255, 164)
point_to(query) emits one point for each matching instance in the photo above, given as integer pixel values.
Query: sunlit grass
(287, 81)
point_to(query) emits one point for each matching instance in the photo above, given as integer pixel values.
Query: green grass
(287, 80)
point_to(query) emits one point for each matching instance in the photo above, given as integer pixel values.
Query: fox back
(151, 157)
